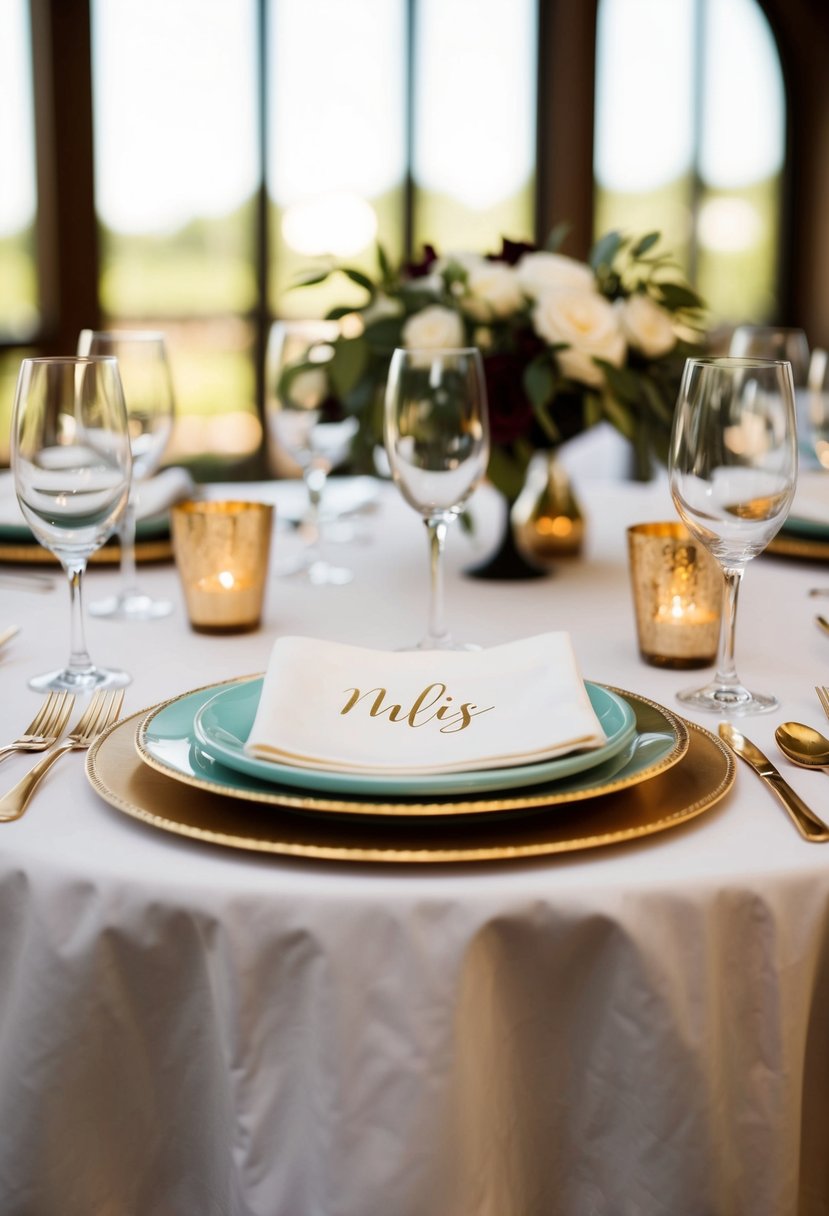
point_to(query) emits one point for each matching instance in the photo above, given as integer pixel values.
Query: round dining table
(639, 1028)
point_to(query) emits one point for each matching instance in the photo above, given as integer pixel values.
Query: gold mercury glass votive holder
(677, 594)
(222, 550)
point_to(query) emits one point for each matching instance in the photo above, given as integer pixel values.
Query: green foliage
(537, 397)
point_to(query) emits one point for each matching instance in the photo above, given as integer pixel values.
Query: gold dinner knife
(804, 819)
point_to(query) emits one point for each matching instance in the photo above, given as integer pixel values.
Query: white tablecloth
(187, 1031)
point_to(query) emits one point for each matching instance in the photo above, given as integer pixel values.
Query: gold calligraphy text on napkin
(454, 718)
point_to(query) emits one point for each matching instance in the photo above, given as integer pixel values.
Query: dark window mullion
(67, 225)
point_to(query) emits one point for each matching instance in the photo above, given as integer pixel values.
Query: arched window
(690, 139)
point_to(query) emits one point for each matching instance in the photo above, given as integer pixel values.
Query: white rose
(539, 272)
(494, 291)
(588, 323)
(432, 328)
(647, 325)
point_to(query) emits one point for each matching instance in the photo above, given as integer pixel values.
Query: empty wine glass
(733, 468)
(779, 342)
(70, 452)
(304, 422)
(148, 391)
(437, 440)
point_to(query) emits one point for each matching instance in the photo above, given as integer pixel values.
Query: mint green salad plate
(166, 741)
(223, 724)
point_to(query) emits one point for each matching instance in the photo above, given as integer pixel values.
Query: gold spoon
(822, 623)
(803, 745)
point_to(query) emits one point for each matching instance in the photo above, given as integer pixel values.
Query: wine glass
(733, 468)
(773, 342)
(303, 421)
(70, 452)
(148, 391)
(437, 441)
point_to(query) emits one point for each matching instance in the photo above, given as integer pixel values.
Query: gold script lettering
(394, 711)
(453, 718)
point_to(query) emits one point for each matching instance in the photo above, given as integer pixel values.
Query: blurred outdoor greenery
(199, 285)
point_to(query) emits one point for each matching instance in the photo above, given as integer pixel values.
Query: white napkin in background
(811, 498)
(155, 495)
(512, 704)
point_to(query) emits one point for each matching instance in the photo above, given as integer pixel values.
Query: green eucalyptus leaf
(361, 279)
(348, 364)
(539, 381)
(644, 244)
(385, 333)
(606, 249)
(676, 296)
(557, 237)
(507, 471)
(312, 278)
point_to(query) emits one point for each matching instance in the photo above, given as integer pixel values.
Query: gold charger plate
(174, 751)
(789, 545)
(109, 555)
(698, 781)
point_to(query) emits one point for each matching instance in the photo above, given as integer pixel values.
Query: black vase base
(507, 563)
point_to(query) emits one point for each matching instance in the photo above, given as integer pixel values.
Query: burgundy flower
(418, 270)
(511, 251)
(510, 413)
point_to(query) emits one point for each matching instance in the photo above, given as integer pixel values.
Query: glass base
(447, 642)
(727, 700)
(80, 681)
(131, 606)
(318, 572)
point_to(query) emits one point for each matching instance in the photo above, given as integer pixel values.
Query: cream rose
(493, 291)
(540, 272)
(646, 325)
(588, 323)
(432, 328)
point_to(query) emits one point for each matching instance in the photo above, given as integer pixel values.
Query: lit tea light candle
(222, 551)
(677, 591)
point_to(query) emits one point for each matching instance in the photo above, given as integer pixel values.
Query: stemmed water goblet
(148, 392)
(733, 468)
(70, 453)
(304, 425)
(437, 441)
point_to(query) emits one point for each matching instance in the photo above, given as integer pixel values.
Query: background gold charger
(788, 545)
(699, 780)
(108, 555)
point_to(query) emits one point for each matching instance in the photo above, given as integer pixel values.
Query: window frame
(68, 241)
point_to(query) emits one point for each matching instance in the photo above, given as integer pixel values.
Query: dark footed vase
(507, 561)
(543, 526)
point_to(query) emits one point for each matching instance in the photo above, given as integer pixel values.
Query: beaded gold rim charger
(695, 784)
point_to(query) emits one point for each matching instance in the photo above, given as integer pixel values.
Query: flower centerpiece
(566, 344)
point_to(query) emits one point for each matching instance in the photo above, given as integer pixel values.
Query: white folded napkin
(811, 497)
(340, 708)
(154, 496)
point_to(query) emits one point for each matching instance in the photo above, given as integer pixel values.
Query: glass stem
(315, 478)
(126, 536)
(437, 526)
(726, 674)
(79, 661)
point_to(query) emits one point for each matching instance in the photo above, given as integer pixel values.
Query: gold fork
(101, 712)
(45, 727)
(823, 697)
